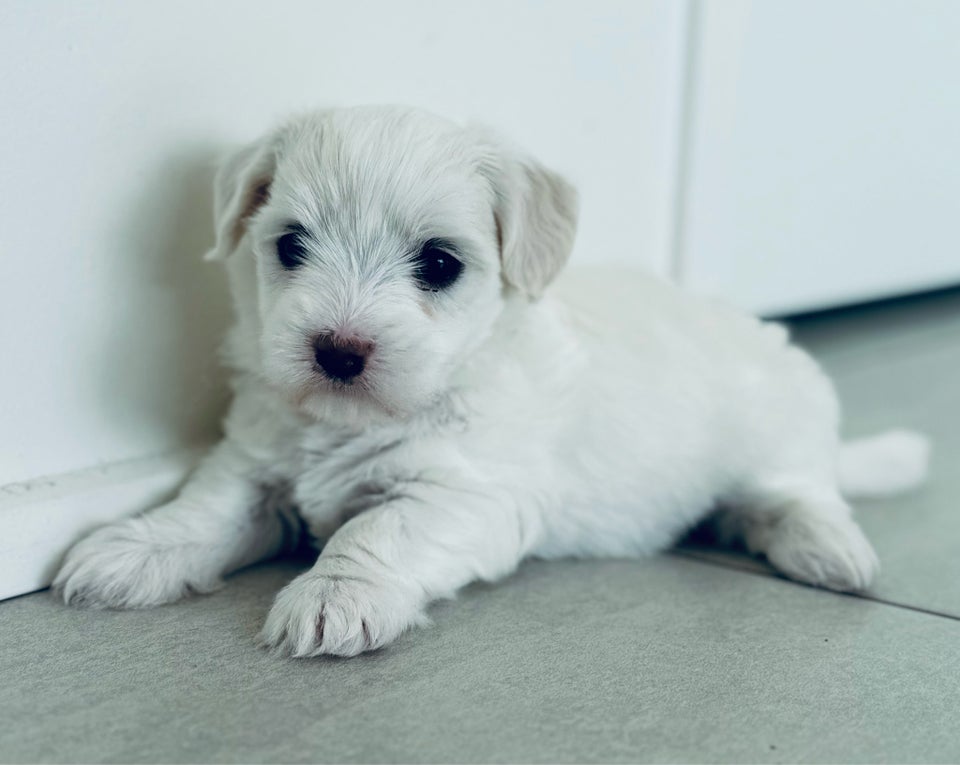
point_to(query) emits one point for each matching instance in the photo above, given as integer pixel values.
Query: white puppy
(405, 382)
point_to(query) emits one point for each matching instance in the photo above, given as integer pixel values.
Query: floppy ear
(241, 187)
(536, 215)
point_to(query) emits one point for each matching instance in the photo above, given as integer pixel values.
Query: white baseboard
(41, 519)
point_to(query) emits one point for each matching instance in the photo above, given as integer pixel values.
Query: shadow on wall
(161, 361)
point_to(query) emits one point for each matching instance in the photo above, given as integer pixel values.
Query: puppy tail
(888, 463)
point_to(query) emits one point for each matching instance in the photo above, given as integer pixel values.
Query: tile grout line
(767, 575)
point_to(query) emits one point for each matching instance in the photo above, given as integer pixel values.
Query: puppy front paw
(124, 565)
(328, 612)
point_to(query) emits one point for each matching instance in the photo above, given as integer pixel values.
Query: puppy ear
(241, 187)
(536, 214)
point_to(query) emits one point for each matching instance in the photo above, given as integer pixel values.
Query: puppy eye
(290, 248)
(435, 268)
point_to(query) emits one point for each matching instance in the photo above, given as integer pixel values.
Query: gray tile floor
(689, 656)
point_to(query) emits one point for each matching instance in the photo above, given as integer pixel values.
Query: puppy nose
(341, 358)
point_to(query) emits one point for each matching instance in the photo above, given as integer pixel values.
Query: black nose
(340, 359)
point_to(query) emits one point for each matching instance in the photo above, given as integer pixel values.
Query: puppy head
(385, 243)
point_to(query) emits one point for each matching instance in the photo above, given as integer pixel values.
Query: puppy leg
(805, 532)
(379, 571)
(220, 522)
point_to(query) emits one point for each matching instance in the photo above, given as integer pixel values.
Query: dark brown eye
(435, 267)
(291, 249)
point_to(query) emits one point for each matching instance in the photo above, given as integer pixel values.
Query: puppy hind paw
(828, 553)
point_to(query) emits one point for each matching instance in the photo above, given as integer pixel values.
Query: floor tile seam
(746, 569)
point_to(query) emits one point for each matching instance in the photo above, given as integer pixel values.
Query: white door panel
(823, 165)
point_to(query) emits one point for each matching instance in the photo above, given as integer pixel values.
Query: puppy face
(384, 243)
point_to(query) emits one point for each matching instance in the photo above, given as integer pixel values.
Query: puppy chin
(358, 406)
(354, 410)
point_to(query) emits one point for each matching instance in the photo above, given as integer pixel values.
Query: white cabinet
(823, 160)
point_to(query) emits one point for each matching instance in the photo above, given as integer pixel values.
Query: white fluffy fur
(603, 417)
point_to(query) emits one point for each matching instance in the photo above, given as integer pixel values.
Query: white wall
(824, 152)
(113, 112)
(786, 154)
